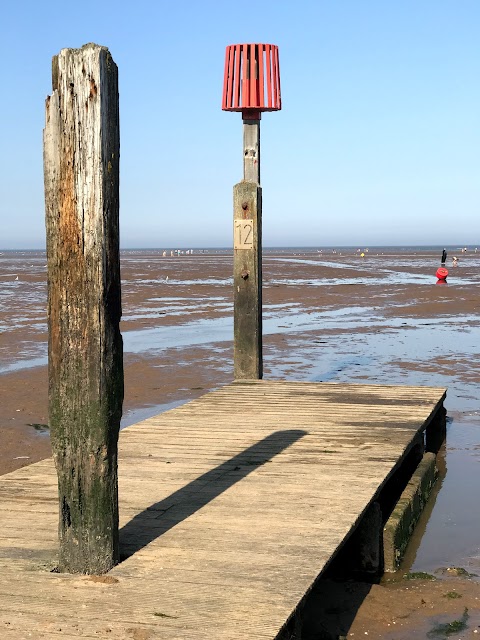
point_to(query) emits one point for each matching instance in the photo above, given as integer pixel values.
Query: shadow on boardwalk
(161, 516)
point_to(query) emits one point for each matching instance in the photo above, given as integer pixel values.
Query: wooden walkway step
(231, 506)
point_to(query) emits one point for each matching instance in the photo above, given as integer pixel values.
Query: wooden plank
(230, 507)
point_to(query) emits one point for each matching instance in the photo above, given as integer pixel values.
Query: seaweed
(418, 575)
(449, 628)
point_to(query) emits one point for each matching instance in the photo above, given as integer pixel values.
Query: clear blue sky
(378, 141)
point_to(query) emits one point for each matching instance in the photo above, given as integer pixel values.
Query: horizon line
(286, 246)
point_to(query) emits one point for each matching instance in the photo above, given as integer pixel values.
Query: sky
(377, 142)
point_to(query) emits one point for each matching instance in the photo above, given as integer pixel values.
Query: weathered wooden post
(251, 85)
(81, 171)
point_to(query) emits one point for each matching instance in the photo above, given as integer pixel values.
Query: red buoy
(442, 273)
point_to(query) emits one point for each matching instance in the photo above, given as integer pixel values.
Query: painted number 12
(243, 234)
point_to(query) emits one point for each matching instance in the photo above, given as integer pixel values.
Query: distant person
(455, 261)
(444, 256)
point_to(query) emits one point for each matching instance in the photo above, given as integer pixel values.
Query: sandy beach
(327, 316)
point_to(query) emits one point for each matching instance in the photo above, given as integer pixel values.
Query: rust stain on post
(81, 170)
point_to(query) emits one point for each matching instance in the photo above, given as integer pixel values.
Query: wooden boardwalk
(231, 506)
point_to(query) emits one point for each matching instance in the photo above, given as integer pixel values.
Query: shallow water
(278, 319)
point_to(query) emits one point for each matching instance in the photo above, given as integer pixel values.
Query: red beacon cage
(252, 80)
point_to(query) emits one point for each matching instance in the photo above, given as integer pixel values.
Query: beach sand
(336, 317)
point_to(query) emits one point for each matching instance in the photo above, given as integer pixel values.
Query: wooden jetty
(231, 506)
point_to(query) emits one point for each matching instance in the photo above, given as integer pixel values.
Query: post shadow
(162, 516)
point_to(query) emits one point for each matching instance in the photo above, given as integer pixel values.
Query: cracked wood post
(247, 261)
(81, 172)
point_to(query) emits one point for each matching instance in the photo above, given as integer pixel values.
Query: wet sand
(335, 317)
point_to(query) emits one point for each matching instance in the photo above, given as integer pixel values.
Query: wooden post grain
(247, 262)
(251, 151)
(81, 171)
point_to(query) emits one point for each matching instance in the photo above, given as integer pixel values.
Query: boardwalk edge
(399, 527)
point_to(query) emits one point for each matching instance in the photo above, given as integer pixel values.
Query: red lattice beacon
(252, 80)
